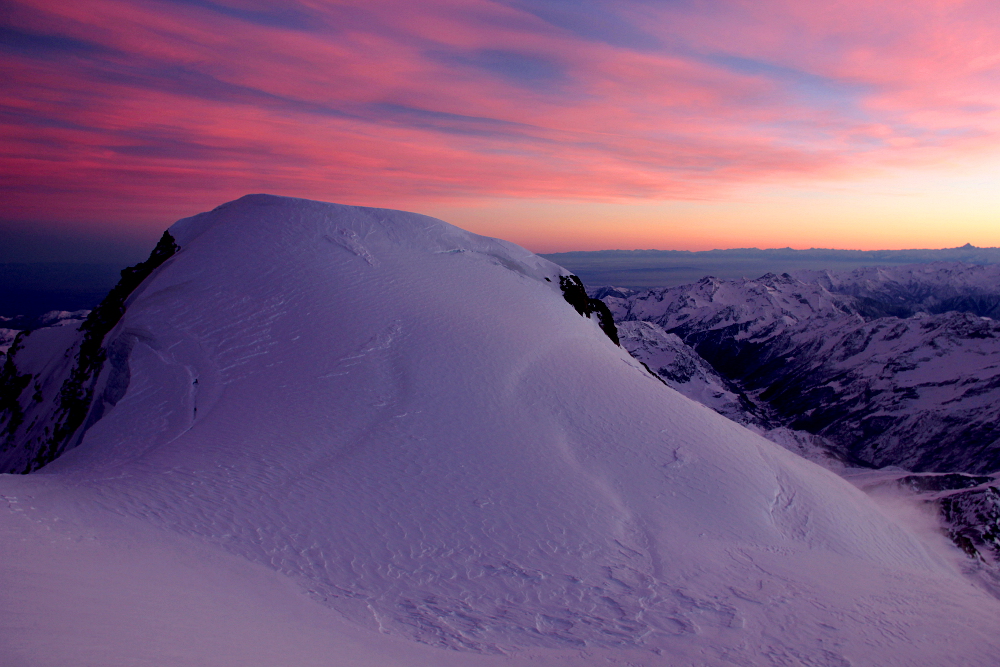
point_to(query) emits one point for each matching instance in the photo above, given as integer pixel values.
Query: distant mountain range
(309, 434)
(29, 290)
(668, 268)
(876, 367)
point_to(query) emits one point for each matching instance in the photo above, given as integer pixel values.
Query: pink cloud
(139, 110)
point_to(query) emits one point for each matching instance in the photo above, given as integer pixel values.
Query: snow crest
(412, 428)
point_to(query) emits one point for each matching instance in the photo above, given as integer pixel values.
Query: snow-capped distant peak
(379, 414)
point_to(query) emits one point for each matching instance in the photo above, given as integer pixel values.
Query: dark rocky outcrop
(973, 519)
(12, 385)
(73, 404)
(576, 295)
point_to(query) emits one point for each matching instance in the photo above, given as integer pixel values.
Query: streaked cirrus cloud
(136, 112)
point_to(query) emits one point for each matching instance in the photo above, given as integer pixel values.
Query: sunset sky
(559, 125)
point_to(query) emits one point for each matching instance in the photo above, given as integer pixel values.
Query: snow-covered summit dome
(408, 424)
(278, 223)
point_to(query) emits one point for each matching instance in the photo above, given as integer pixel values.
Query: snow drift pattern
(410, 424)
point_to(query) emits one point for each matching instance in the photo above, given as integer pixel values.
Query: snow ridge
(418, 434)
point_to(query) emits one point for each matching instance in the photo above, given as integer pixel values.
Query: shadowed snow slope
(359, 437)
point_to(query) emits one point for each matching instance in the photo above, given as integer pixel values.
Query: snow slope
(55, 318)
(682, 368)
(364, 437)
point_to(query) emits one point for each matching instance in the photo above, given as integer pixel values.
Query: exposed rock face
(576, 295)
(903, 291)
(877, 367)
(919, 392)
(973, 517)
(40, 424)
(682, 368)
(7, 337)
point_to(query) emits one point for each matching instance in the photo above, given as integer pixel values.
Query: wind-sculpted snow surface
(409, 426)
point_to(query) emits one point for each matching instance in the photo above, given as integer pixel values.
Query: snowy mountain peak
(286, 238)
(408, 425)
(892, 365)
(285, 224)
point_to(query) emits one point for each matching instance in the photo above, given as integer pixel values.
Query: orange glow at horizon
(911, 211)
(604, 125)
